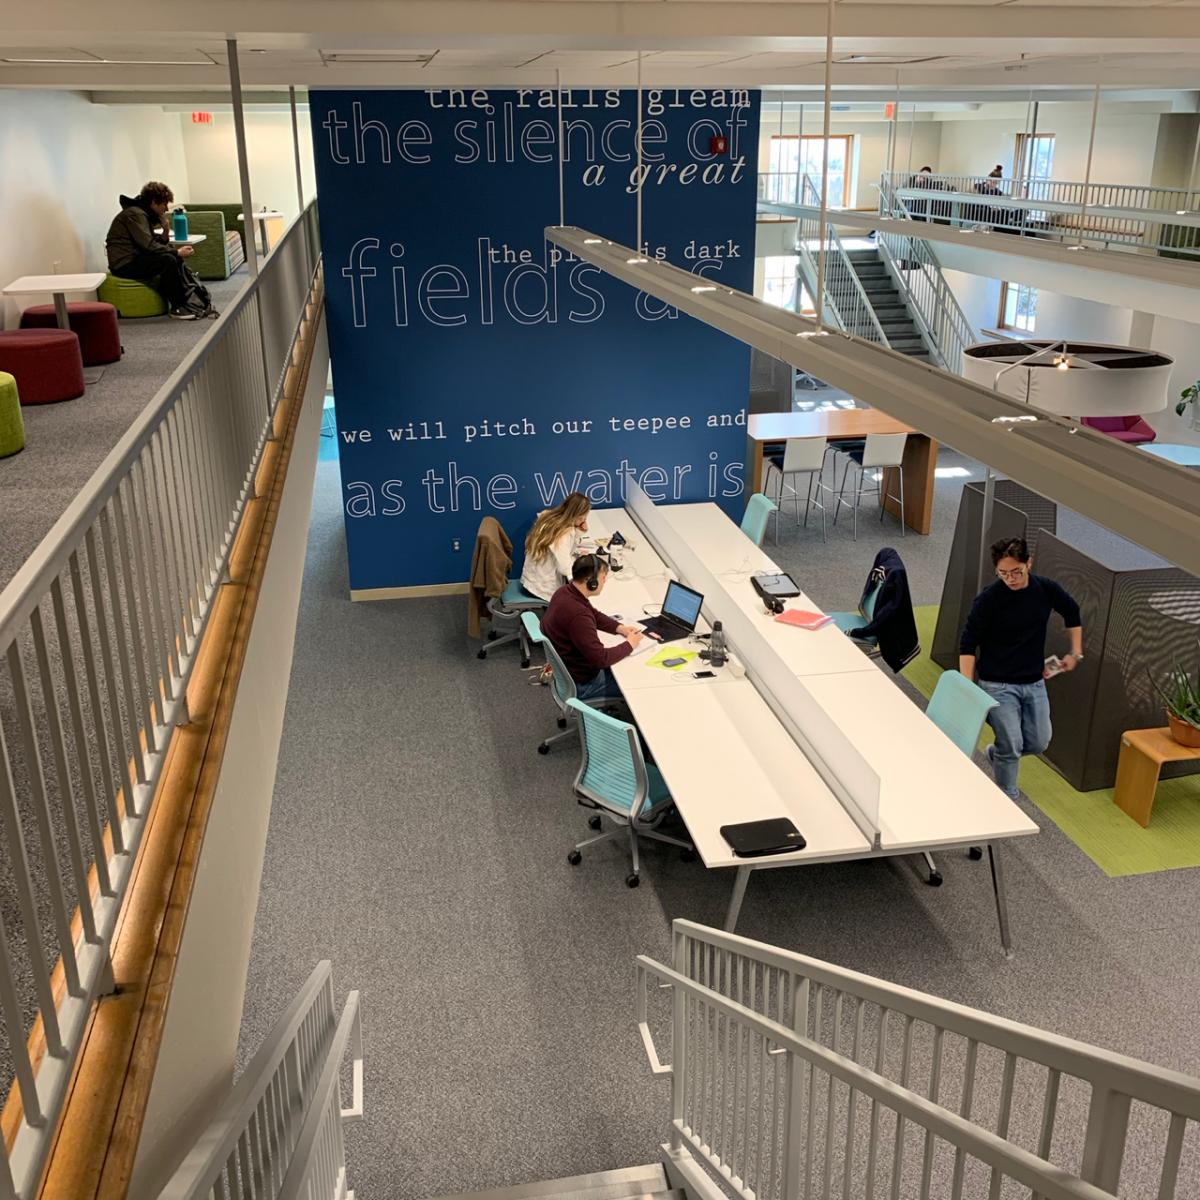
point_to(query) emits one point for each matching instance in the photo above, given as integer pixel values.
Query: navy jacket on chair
(892, 625)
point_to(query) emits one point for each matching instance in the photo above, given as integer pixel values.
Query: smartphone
(673, 662)
(704, 674)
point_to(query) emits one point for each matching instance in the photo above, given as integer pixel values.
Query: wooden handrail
(97, 1138)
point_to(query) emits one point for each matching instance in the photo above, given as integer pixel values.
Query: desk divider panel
(834, 757)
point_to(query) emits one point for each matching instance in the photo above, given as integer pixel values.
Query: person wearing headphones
(552, 545)
(572, 623)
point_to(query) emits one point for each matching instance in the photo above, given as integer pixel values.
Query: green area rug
(1117, 844)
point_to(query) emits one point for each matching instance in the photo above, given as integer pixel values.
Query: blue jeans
(603, 686)
(1021, 722)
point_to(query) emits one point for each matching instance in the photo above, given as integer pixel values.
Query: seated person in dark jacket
(571, 624)
(137, 249)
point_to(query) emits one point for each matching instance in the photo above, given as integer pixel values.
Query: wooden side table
(1143, 752)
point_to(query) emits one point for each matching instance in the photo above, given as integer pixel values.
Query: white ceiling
(989, 44)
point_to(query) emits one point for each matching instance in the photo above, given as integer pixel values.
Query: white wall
(1124, 151)
(211, 152)
(65, 161)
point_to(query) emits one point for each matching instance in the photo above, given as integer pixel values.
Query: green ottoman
(12, 426)
(130, 298)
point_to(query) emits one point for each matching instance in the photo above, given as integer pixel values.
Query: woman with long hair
(551, 546)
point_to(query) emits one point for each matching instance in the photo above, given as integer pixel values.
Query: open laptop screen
(682, 604)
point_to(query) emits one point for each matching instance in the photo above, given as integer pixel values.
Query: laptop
(680, 612)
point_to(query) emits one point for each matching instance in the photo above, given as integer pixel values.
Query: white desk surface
(726, 759)
(930, 793)
(261, 216)
(192, 239)
(38, 284)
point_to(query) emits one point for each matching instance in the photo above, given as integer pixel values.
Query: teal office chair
(615, 779)
(754, 521)
(847, 621)
(958, 708)
(562, 685)
(506, 611)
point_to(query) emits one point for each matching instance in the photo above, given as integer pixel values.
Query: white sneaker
(182, 314)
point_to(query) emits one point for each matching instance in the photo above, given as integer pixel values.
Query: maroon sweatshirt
(571, 623)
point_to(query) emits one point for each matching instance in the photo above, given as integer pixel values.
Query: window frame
(1016, 288)
(847, 173)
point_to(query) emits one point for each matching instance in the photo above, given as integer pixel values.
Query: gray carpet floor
(419, 842)
(65, 443)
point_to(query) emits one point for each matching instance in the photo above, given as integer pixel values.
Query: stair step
(627, 1183)
(856, 256)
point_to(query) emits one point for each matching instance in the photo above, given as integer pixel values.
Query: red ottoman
(95, 323)
(46, 364)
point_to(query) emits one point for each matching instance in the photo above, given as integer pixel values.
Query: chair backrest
(958, 708)
(870, 598)
(612, 771)
(754, 521)
(884, 449)
(561, 682)
(804, 454)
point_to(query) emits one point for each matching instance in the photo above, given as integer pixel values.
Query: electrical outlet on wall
(456, 545)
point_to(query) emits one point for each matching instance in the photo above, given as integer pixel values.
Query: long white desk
(930, 795)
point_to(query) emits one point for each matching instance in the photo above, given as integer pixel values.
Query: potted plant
(1190, 395)
(1181, 695)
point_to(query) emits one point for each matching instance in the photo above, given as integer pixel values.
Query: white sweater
(544, 576)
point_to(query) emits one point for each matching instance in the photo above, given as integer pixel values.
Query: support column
(296, 149)
(239, 129)
(1141, 329)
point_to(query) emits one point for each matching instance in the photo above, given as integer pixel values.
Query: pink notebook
(803, 619)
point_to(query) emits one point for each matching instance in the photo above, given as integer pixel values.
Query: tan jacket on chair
(489, 571)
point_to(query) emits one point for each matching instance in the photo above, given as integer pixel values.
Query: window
(1018, 306)
(781, 286)
(793, 158)
(1035, 155)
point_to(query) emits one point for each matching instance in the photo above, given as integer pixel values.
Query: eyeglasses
(1015, 573)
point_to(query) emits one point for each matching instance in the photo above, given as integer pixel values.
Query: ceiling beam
(1140, 497)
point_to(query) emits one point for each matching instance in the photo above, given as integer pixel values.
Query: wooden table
(920, 452)
(1143, 752)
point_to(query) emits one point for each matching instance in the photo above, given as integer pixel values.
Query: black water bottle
(716, 646)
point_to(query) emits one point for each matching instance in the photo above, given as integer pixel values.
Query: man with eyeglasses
(1006, 633)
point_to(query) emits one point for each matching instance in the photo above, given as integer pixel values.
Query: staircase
(628, 1183)
(880, 288)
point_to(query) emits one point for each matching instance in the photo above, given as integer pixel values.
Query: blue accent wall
(478, 370)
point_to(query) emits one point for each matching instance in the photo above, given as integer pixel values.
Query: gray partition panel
(1137, 624)
(770, 384)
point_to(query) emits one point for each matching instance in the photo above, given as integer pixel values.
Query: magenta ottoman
(93, 322)
(46, 364)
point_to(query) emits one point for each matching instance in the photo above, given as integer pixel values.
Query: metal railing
(99, 631)
(912, 263)
(280, 1130)
(846, 305)
(791, 1076)
(1165, 221)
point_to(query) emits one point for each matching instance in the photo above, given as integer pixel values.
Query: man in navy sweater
(1006, 630)
(571, 624)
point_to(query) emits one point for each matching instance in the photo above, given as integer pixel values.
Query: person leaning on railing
(136, 251)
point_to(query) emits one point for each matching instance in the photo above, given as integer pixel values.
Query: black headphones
(774, 604)
(593, 580)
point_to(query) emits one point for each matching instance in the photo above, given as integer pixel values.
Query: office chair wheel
(574, 858)
(975, 853)
(544, 748)
(687, 855)
(524, 663)
(632, 880)
(481, 654)
(562, 722)
(935, 879)
(492, 635)
(594, 822)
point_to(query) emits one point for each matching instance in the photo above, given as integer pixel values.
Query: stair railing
(280, 1130)
(846, 306)
(792, 1076)
(913, 265)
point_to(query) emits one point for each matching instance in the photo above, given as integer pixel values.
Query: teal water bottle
(179, 225)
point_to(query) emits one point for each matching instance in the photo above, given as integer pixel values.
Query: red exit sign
(201, 118)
